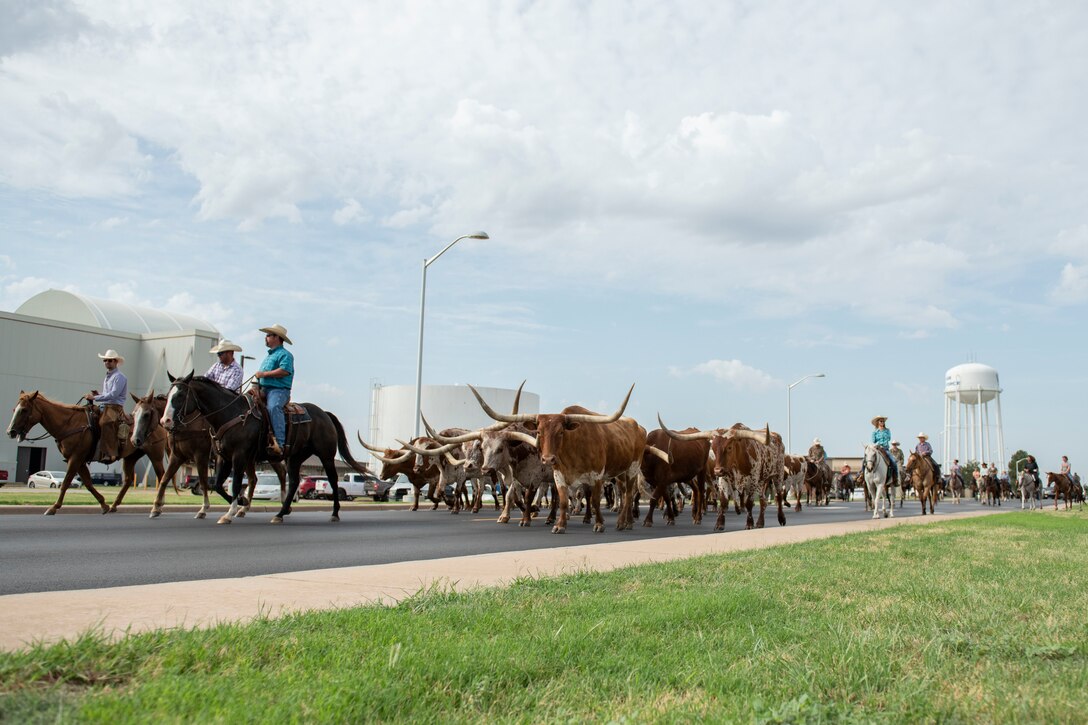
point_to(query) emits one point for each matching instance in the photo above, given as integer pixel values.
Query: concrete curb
(53, 616)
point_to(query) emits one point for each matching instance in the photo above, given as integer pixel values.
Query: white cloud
(732, 372)
(351, 211)
(113, 222)
(1072, 287)
(1071, 243)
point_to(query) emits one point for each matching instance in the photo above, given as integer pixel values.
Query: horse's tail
(342, 444)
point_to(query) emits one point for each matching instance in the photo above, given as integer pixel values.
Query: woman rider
(882, 438)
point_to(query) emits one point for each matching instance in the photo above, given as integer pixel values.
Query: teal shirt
(881, 437)
(277, 358)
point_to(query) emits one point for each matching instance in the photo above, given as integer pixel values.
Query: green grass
(979, 620)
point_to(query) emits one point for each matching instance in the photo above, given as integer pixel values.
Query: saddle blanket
(296, 413)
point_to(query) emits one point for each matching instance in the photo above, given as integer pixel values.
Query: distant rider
(882, 438)
(816, 452)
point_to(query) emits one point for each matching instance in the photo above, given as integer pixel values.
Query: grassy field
(979, 620)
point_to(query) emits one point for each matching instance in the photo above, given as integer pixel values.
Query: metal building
(392, 409)
(52, 341)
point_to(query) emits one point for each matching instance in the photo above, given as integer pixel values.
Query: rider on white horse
(882, 438)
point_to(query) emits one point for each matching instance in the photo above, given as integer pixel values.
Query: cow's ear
(570, 424)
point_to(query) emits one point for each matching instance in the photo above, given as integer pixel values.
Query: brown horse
(1063, 488)
(923, 480)
(71, 427)
(189, 441)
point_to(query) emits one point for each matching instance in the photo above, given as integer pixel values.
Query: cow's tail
(342, 444)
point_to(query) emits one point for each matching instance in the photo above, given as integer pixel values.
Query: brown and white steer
(746, 465)
(457, 462)
(585, 447)
(396, 461)
(794, 478)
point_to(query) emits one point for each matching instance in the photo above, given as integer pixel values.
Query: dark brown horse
(189, 441)
(1063, 488)
(71, 427)
(241, 428)
(923, 480)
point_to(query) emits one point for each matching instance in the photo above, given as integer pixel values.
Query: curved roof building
(65, 306)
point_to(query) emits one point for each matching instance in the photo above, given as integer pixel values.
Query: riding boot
(275, 451)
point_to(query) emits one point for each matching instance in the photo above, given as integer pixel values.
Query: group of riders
(273, 378)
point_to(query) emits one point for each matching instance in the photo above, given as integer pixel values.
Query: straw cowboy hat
(879, 417)
(923, 436)
(816, 442)
(895, 443)
(278, 330)
(112, 354)
(225, 345)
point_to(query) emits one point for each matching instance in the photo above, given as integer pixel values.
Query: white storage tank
(392, 409)
(969, 428)
(972, 382)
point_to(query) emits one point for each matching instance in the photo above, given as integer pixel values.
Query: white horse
(1027, 489)
(875, 469)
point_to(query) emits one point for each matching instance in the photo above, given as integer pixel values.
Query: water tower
(968, 433)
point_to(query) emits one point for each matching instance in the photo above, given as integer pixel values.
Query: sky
(710, 200)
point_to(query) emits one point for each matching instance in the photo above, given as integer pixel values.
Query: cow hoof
(334, 519)
(599, 529)
(276, 520)
(50, 511)
(454, 511)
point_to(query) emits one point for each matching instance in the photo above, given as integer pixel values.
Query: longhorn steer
(397, 461)
(585, 447)
(687, 463)
(794, 478)
(746, 465)
(456, 462)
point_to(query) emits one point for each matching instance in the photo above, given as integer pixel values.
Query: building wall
(60, 359)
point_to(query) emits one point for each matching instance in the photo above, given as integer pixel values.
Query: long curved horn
(428, 451)
(655, 451)
(464, 437)
(763, 436)
(519, 418)
(519, 436)
(703, 435)
(367, 445)
(517, 399)
(584, 418)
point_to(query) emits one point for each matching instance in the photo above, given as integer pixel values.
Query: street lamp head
(477, 235)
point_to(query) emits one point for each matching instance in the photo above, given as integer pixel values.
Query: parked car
(378, 489)
(268, 487)
(1048, 490)
(50, 479)
(307, 487)
(106, 478)
(350, 485)
(401, 488)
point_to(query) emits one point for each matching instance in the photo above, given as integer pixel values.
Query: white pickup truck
(351, 485)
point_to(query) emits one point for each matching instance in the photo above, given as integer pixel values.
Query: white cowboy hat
(923, 435)
(224, 346)
(895, 443)
(278, 330)
(816, 442)
(879, 417)
(112, 354)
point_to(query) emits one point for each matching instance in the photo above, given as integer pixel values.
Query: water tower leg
(1001, 433)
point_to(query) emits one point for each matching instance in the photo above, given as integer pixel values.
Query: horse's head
(25, 415)
(145, 416)
(180, 401)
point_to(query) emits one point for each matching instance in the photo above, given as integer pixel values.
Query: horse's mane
(57, 403)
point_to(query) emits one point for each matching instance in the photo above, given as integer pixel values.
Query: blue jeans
(277, 398)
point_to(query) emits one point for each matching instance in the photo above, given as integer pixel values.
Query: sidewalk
(52, 616)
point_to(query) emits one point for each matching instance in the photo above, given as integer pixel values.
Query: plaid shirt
(229, 376)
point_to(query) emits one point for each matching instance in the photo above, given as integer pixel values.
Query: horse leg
(251, 481)
(238, 468)
(128, 479)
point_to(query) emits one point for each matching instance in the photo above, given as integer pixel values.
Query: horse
(72, 428)
(876, 470)
(1063, 487)
(1027, 490)
(923, 478)
(241, 428)
(817, 482)
(189, 441)
(989, 491)
(954, 484)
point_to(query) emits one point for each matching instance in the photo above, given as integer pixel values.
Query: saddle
(294, 415)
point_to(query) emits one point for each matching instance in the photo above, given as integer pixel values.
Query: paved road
(73, 551)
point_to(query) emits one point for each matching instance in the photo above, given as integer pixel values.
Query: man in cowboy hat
(275, 376)
(925, 450)
(897, 453)
(110, 402)
(816, 452)
(227, 372)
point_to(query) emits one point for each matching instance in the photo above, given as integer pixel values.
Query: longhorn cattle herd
(574, 459)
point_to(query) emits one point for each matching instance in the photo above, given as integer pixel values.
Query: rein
(62, 436)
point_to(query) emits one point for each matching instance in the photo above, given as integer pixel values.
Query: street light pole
(422, 304)
(789, 410)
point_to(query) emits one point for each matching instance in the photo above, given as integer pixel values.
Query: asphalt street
(80, 551)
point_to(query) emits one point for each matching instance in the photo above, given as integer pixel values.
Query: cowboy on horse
(882, 438)
(110, 403)
(925, 450)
